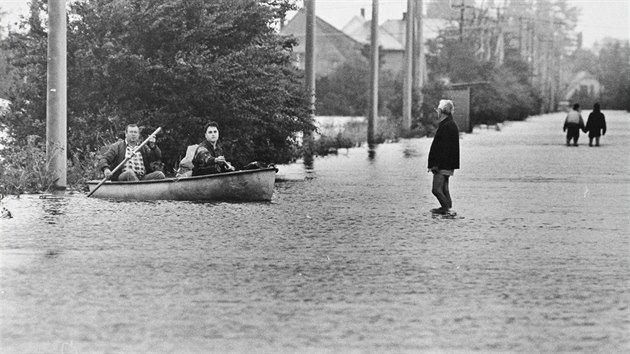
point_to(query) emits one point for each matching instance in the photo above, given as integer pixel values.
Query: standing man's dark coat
(444, 153)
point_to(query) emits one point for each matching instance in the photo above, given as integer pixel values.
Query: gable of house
(391, 51)
(363, 34)
(584, 82)
(392, 34)
(353, 25)
(332, 47)
(431, 28)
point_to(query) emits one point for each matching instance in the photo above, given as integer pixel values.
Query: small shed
(459, 93)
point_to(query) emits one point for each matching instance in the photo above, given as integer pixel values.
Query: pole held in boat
(126, 159)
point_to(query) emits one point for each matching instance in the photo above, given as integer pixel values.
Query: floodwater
(345, 258)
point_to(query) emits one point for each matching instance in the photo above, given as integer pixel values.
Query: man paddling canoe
(143, 165)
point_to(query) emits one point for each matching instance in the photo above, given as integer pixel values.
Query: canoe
(247, 185)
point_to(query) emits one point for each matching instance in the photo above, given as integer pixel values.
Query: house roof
(431, 28)
(355, 23)
(362, 32)
(332, 46)
(341, 42)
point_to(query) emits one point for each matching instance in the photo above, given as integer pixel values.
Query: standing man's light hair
(446, 106)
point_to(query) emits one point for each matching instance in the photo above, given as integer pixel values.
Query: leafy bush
(345, 91)
(25, 168)
(354, 134)
(169, 63)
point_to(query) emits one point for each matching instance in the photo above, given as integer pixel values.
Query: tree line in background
(611, 67)
(165, 63)
(518, 54)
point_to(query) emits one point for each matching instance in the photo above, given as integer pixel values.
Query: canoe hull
(249, 185)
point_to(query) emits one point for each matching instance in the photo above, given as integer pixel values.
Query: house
(584, 84)
(392, 36)
(391, 51)
(332, 47)
(431, 28)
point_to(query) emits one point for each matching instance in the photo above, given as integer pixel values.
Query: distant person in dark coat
(572, 125)
(595, 125)
(444, 156)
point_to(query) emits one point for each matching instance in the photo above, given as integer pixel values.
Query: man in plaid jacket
(145, 164)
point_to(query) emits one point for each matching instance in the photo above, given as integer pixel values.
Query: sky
(598, 19)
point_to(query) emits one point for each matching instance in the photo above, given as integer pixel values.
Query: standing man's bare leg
(447, 194)
(438, 190)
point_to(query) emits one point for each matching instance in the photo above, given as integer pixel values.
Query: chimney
(362, 12)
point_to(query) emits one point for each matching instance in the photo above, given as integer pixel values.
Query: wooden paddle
(126, 159)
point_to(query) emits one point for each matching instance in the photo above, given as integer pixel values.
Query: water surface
(345, 259)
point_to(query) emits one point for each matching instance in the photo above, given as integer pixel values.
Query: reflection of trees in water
(53, 207)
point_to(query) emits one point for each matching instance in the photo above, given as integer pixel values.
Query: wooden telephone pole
(413, 67)
(374, 65)
(309, 68)
(408, 67)
(56, 94)
(418, 55)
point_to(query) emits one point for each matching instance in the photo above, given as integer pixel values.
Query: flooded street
(347, 259)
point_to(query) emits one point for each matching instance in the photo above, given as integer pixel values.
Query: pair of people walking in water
(595, 125)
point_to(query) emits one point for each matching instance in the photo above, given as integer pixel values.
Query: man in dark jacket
(595, 125)
(145, 164)
(444, 155)
(209, 157)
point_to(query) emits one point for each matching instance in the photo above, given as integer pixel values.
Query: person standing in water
(595, 125)
(572, 125)
(444, 156)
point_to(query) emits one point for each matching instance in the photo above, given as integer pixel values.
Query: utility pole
(499, 50)
(418, 54)
(408, 67)
(462, 12)
(533, 49)
(461, 22)
(374, 64)
(309, 68)
(557, 59)
(56, 94)
(520, 37)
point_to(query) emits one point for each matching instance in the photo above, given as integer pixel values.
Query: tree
(614, 74)
(5, 69)
(169, 63)
(584, 60)
(345, 91)
(26, 52)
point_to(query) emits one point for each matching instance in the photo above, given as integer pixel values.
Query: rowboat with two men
(245, 185)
